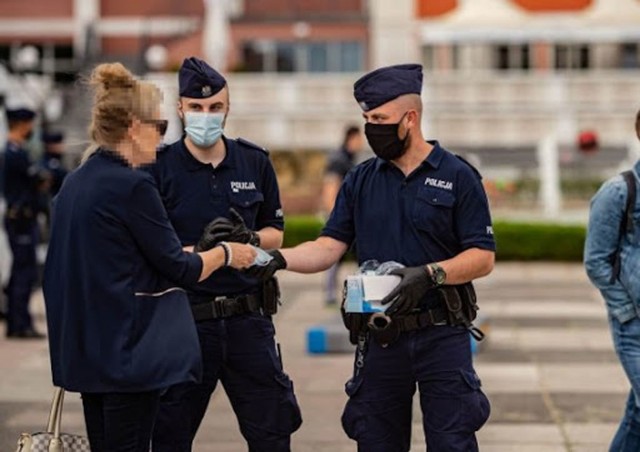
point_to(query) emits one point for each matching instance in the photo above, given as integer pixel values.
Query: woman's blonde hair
(118, 98)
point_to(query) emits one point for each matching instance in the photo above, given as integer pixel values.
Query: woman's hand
(242, 256)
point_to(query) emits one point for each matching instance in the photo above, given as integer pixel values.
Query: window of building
(318, 56)
(629, 56)
(441, 57)
(572, 56)
(512, 56)
(285, 57)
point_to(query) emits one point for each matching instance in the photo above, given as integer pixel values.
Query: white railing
(309, 111)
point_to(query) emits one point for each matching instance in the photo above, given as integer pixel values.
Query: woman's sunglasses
(161, 125)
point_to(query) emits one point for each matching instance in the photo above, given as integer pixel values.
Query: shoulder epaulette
(251, 145)
(473, 168)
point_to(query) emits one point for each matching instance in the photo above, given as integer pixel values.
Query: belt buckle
(217, 307)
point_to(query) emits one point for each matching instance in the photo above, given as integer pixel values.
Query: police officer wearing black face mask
(417, 204)
(227, 187)
(24, 182)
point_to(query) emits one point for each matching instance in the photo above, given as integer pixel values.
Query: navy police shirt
(53, 163)
(431, 215)
(114, 310)
(195, 193)
(20, 178)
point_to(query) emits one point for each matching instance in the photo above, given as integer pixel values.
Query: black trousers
(120, 422)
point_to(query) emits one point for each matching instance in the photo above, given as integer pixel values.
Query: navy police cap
(20, 114)
(52, 137)
(382, 85)
(198, 80)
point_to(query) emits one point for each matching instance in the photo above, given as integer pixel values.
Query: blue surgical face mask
(262, 257)
(204, 129)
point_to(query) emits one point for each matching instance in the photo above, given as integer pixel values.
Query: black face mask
(384, 140)
(28, 135)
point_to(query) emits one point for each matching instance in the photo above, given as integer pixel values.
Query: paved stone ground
(548, 368)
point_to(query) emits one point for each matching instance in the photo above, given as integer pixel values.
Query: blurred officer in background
(419, 205)
(339, 163)
(24, 182)
(202, 177)
(52, 159)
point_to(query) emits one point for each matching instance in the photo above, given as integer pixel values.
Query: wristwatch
(438, 275)
(255, 239)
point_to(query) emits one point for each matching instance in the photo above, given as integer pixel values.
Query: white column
(393, 33)
(85, 13)
(549, 175)
(215, 33)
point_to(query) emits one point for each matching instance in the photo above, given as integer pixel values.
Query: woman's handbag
(52, 440)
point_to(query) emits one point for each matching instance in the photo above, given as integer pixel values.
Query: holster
(462, 306)
(271, 296)
(461, 303)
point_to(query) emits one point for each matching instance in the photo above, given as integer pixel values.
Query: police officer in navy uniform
(24, 183)
(52, 159)
(229, 186)
(417, 204)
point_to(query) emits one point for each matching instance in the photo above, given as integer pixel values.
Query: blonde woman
(114, 307)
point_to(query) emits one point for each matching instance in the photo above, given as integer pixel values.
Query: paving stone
(590, 408)
(592, 434)
(518, 409)
(525, 433)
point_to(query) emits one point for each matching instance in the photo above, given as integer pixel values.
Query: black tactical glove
(227, 230)
(416, 282)
(266, 272)
(207, 240)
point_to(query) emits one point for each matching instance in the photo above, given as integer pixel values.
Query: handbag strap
(55, 415)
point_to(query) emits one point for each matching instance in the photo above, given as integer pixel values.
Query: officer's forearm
(313, 257)
(270, 238)
(469, 265)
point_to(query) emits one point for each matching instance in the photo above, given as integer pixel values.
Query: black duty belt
(222, 307)
(410, 322)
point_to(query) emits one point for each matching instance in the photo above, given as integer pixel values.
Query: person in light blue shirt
(621, 292)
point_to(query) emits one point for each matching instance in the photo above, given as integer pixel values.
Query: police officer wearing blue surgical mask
(227, 187)
(417, 204)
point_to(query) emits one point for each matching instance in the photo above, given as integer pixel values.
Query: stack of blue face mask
(262, 257)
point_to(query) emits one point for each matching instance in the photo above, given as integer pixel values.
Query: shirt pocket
(247, 203)
(433, 210)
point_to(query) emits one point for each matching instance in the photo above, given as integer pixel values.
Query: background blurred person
(114, 311)
(24, 183)
(52, 159)
(611, 259)
(339, 164)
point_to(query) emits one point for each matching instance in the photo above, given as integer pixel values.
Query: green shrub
(516, 241)
(298, 229)
(538, 241)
